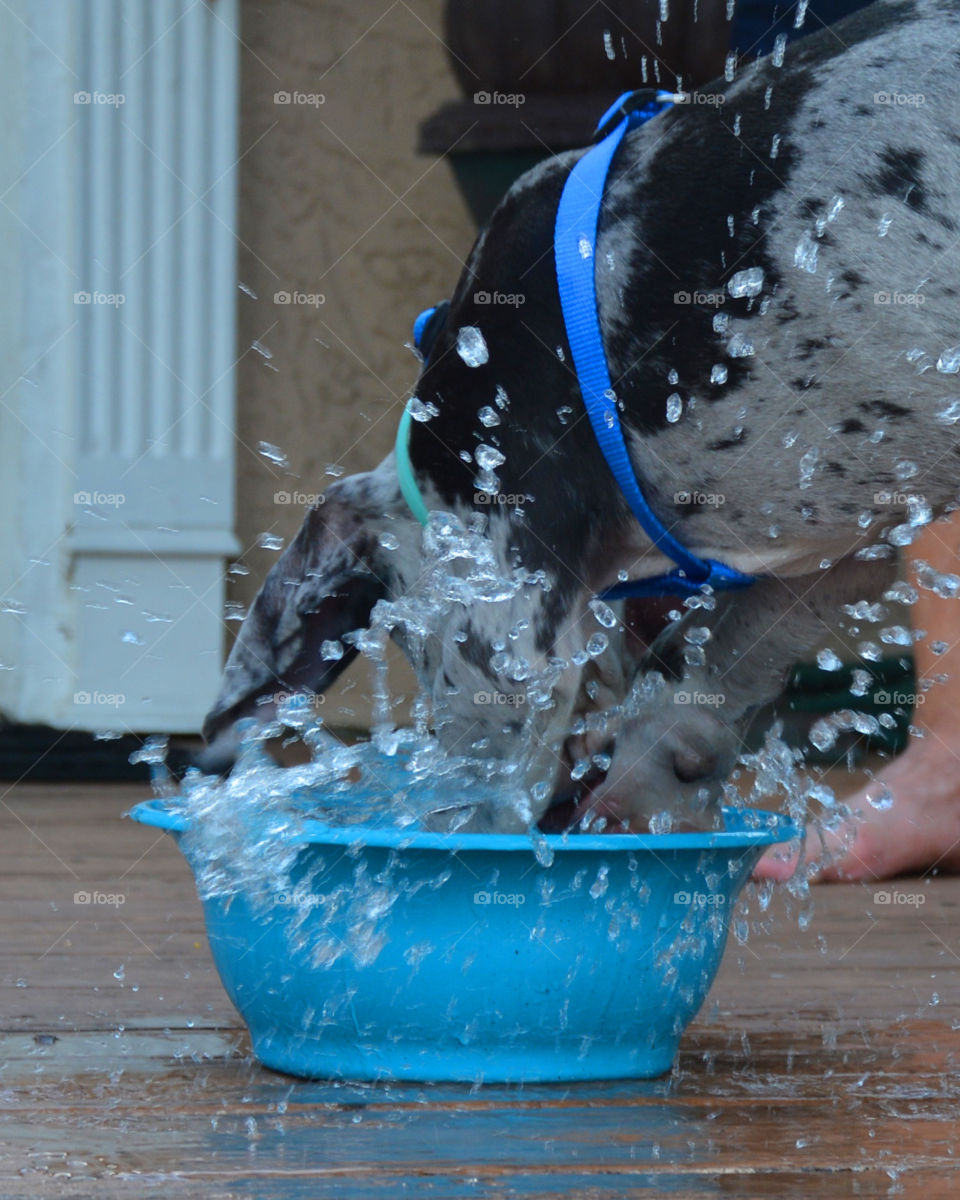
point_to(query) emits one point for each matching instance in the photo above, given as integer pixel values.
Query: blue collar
(574, 244)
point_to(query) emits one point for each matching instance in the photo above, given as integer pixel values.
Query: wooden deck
(823, 1064)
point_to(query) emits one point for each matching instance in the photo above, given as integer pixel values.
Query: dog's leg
(675, 754)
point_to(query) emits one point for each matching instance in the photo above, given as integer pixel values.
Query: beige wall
(334, 200)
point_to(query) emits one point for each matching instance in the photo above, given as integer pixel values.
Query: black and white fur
(802, 440)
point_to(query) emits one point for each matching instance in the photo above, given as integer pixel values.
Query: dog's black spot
(900, 175)
(477, 651)
(805, 383)
(811, 208)
(851, 425)
(731, 443)
(884, 408)
(853, 279)
(836, 468)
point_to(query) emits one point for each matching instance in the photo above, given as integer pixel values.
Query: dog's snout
(691, 763)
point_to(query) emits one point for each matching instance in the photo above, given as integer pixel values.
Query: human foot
(915, 828)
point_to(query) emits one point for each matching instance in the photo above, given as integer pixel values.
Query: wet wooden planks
(824, 1062)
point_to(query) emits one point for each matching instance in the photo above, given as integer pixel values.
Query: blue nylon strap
(575, 242)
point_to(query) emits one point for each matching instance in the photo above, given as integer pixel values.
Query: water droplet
(388, 540)
(949, 361)
(270, 541)
(471, 347)
(805, 254)
(827, 660)
(608, 44)
(718, 373)
(604, 614)
(245, 287)
(261, 349)
(488, 417)
(597, 644)
(419, 411)
(746, 283)
(331, 650)
(740, 346)
(884, 224)
(585, 247)
(879, 796)
(132, 639)
(674, 407)
(808, 465)
(779, 47)
(951, 414)
(274, 454)
(564, 414)
(488, 457)
(120, 973)
(775, 146)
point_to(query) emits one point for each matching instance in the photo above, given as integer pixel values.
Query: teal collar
(408, 483)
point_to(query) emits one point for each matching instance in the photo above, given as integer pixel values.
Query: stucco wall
(334, 201)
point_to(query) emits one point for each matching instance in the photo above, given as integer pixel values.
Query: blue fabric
(575, 240)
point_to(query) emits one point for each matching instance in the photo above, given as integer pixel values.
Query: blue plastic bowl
(487, 964)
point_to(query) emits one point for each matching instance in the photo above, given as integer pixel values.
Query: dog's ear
(323, 586)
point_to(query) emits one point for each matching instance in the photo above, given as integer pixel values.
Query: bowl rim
(769, 828)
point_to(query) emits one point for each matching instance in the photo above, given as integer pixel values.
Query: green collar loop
(408, 483)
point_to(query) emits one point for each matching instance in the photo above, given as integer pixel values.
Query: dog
(797, 428)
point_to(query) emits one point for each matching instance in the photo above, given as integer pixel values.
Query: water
(746, 283)
(471, 346)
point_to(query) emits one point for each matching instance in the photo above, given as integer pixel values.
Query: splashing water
(471, 346)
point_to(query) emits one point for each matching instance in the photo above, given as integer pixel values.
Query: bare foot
(918, 830)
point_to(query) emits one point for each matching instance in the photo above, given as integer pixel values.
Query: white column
(119, 357)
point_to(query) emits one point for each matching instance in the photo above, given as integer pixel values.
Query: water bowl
(393, 954)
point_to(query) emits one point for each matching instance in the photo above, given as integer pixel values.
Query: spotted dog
(776, 281)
